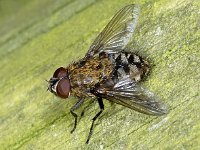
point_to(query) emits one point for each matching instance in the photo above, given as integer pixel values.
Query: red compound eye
(63, 88)
(60, 73)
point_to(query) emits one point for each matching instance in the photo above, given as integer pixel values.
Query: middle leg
(101, 105)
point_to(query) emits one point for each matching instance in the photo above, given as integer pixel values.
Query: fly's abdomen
(129, 64)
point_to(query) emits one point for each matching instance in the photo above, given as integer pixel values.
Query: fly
(108, 71)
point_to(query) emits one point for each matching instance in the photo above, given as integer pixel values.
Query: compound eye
(60, 73)
(63, 88)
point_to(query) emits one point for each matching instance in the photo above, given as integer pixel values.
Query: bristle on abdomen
(129, 64)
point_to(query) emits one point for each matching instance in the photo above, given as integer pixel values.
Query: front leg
(101, 105)
(85, 108)
(77, 105)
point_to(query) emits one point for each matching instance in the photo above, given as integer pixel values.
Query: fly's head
(59, 84)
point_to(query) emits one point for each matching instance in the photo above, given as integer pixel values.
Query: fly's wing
(117, 33)
(130, 94)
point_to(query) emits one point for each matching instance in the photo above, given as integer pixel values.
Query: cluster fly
(109, 71)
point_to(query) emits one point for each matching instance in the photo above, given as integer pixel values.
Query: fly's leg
(101, 105)
(77, 105)
(91, 102)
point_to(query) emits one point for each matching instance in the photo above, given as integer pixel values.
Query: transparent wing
(130, 94)
(117, 33)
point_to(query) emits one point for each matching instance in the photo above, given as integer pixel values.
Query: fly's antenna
(47, 89)
(47, 85)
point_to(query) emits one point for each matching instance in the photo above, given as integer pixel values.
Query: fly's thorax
(86, 74)
(127, 63)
